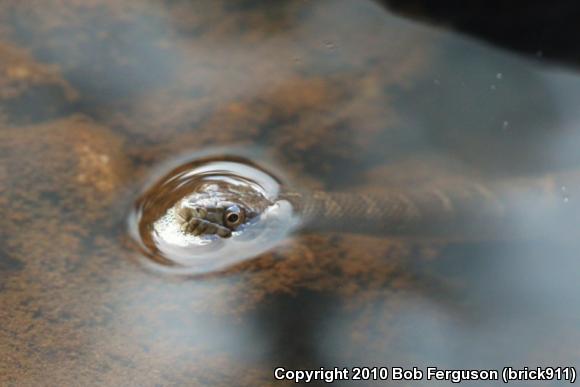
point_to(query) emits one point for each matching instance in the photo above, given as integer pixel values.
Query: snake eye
(233, 217)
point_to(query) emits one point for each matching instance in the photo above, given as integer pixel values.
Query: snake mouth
(198, 227)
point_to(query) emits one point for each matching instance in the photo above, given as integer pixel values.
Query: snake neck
(387, 213)
(459, 209)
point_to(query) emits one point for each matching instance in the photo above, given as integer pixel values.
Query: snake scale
(462, 208)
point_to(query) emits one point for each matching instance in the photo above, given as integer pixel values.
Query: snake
(205, 212)
(463, 207)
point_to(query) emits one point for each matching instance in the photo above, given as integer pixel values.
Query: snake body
(462, 208)
(398, 212)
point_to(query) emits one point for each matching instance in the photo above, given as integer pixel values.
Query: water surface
(342, 95)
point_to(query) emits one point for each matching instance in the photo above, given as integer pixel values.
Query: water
(96, 98)
(206, 181)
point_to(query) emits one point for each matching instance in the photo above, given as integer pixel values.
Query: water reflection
(344, 96)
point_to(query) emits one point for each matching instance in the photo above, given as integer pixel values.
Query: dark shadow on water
(539, 29)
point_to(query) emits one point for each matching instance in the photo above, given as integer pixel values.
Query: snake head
(220, 219)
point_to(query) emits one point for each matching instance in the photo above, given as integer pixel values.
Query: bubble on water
(329, 44)
(204, 181)
(492, 87)
(499, 75)
(565, 196)
(505, 125)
